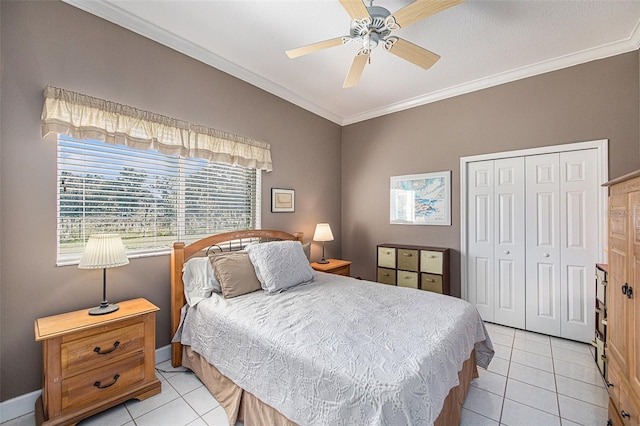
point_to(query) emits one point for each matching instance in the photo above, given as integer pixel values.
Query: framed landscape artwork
(421, 199)
(282, 200)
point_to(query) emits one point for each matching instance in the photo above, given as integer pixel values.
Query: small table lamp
(323, 233)
(103, 251)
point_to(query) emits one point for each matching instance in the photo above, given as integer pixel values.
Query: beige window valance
(85, 117)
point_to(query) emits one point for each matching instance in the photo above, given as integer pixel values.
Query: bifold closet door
(496, 240)
(561, 243)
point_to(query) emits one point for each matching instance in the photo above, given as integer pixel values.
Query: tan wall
(54, 43)
(597, 100)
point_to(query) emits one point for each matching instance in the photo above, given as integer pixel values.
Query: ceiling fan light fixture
(372, 25)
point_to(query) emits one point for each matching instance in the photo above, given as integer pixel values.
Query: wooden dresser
(422, 267)
(623, 301)
(91, 363)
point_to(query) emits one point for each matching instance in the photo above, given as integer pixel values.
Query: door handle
(546, 255)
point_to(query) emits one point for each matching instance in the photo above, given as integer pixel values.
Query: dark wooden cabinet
(600, 337)
(421, 267)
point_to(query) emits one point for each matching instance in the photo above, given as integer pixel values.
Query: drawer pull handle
(431, 280)
(407, 254)
(625, 415)
(115, 379)
(603, 357)
(115, 346)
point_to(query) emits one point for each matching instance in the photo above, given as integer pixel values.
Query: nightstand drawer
(431, 261)
(387, 257)
(431, 282)
(101, 383)
(386, 276)
(342, 270)
(82, 354)
(408, 260)
(408, 279)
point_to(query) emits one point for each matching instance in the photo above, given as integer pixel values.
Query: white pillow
(280, 265)
(199, 280)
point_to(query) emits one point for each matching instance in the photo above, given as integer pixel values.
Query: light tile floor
(532, 380)
(536, 380)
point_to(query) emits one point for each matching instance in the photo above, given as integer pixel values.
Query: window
(149, 198)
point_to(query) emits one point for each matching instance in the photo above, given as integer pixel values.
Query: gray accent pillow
(280, 265)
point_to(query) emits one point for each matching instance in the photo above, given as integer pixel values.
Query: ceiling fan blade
(355, 8)
(355, 72)
(420, 9)
(411, 52)
(310, 48)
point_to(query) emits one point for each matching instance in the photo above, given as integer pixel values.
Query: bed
(319, 348)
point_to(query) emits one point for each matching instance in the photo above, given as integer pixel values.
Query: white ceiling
(482, 43)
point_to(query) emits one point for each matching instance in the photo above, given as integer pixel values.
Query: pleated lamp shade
(103, 251)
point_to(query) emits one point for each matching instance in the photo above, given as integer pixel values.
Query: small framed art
(282, 200)
(422, 199)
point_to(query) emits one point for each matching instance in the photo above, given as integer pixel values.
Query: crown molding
(111, 12)
(588, 55)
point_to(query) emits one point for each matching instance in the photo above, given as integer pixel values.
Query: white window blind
(149, 198)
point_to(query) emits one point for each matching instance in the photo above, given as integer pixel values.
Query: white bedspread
(341, 351)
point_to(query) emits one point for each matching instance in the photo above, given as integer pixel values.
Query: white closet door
(543, 244)
(509, 248)
(480, 238)
(578, 207)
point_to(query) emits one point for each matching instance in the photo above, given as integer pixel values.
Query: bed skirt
(242, 405)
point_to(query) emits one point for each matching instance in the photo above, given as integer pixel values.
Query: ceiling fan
(372, 25)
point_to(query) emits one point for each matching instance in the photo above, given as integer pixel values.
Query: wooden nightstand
(91, 363)
(335, 266)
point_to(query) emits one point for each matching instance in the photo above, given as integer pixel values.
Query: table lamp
(103, 251)
(323, 233)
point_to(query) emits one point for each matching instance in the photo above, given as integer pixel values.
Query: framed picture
(282, 200)
(423, 199)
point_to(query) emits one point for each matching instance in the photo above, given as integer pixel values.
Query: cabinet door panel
(509, 254)
(543, 244)
(480, 258)
(579, 243)
(616, 301)
(633, 303)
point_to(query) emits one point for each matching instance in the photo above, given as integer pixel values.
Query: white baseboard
(23, 404)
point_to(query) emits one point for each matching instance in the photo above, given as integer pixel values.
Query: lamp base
(323, 261)
(104, 309)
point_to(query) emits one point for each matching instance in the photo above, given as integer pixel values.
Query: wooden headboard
(180, 253)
